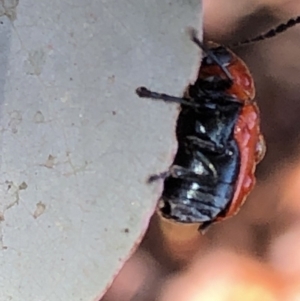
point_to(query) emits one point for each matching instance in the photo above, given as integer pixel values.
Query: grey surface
(77, 144)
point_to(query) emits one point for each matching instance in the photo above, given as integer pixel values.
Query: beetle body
(219, 142)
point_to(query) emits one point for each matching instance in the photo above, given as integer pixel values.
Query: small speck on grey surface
(39, 210)
(73, 171)
(23, 186)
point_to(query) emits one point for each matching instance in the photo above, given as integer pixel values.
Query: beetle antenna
(194, 37)
(271, 33)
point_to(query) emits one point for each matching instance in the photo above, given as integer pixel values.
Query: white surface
(73, 173)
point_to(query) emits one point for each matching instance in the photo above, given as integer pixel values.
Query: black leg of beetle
(175, 171)
(160, 176)
(210, 169)
(193, 35)
(204, 227)
(209, 145)
(180, 172)
(145, 93)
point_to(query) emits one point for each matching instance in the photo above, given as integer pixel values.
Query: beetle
(219, 138)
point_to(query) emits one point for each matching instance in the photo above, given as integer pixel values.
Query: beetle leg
(197, 153)
(145, 93)
(204, 227)
(207, 164)
(206, 144)
(175, 171)
(194, 37)
(160, 176)
(180, 172)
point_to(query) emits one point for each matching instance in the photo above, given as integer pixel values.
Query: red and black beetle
(219, 139)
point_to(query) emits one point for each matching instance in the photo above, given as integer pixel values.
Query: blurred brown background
(256, 254)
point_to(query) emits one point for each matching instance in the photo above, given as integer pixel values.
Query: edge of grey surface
(77, 144)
